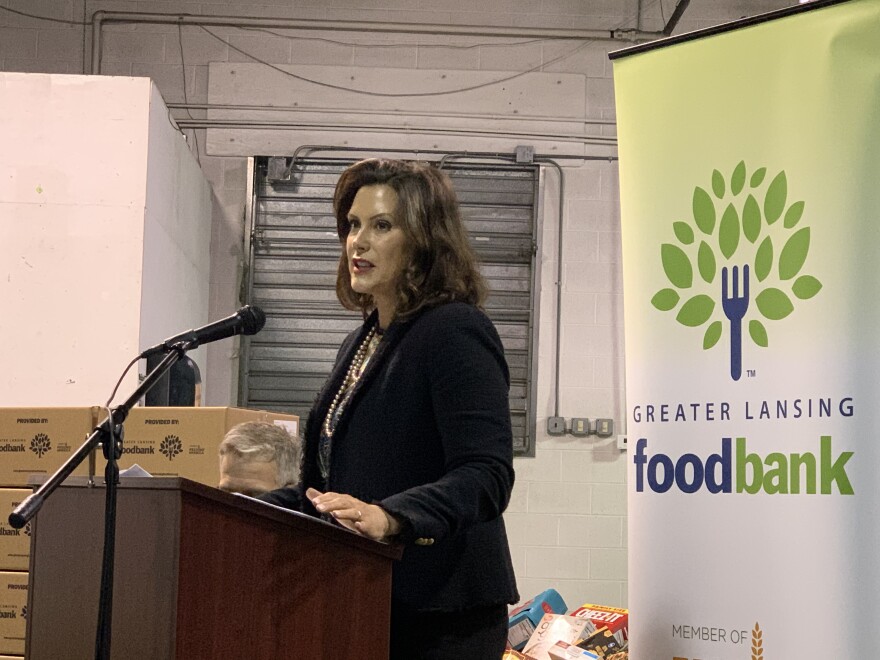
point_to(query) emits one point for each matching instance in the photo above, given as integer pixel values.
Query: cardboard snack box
(13, 612)
(554, 628)
(183, 442)
(15, 544)
(37, 441)
(616, 619)
(565, 651)
(509, 654)
(602, 642)
(523, 620)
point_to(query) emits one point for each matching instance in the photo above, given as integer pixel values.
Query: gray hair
(264, 441)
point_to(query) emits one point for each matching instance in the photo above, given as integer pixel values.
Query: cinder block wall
(567, 519)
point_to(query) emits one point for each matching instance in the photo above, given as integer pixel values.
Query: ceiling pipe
(384, 113)
(102, 17)
(445, 153)
(258, 124)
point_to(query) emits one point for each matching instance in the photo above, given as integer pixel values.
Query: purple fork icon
(735, 307)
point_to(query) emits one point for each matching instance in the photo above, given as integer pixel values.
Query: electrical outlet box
(580, 426)
(556, 425)
(604, 427)
(525, 153)
(621, 442)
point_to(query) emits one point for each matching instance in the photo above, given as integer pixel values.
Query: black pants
(475, 634)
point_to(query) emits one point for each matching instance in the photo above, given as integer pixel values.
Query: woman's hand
(367, 519)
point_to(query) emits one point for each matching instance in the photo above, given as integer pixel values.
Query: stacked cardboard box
(183, 442)
(13, 611)
(37, 441)
(15, 544)
(33, 442)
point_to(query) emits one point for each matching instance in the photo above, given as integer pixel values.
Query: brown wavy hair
(443, 267)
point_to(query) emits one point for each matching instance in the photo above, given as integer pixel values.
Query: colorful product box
(554, 628)
(565, 651)
(525, 619)
(616, 619)
(602, 642)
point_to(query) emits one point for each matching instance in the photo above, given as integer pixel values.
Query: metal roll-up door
(294, 251)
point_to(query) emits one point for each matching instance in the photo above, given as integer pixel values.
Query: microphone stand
(109, 434)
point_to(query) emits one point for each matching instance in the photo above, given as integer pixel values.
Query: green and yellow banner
(750, 210)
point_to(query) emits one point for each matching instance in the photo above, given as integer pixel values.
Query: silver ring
(359, 514)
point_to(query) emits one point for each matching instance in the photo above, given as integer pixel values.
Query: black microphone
(249, 320)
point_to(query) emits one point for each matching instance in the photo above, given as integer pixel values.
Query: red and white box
(616, 619)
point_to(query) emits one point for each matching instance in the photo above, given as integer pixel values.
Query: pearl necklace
(355, 369)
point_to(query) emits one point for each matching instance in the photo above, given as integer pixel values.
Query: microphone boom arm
(29, 507)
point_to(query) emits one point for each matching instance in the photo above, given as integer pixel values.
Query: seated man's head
(256, 457)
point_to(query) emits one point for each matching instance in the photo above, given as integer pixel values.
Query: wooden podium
(203, 574)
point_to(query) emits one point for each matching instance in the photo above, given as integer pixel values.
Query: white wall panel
(99, 200)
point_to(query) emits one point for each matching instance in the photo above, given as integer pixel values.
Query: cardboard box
(565, 651)
(523, 620)
(554, 628)
(616, 619)
(13, 612)
(603, 642)
(509, 654)
(183, 442)
(15, 544)
(37, 441)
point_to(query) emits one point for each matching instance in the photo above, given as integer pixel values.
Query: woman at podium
(410, 438)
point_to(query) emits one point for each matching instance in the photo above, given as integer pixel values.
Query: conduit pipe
(271, 124)
(384, 113)
(401, 129)
(102, 17)
(549, 160)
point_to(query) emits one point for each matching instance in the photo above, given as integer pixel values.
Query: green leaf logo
(774, 202)
(665, 299)
(751, 219)
(794, 254)
(743, 281)
(706, 262)
(677, 266)
(704, 211)
(728, 232)
(683, 232)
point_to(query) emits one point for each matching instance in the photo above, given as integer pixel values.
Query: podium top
(241, 505)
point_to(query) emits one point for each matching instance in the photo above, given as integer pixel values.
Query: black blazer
(427, 436)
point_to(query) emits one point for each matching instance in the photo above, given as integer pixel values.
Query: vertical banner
(750, 203)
